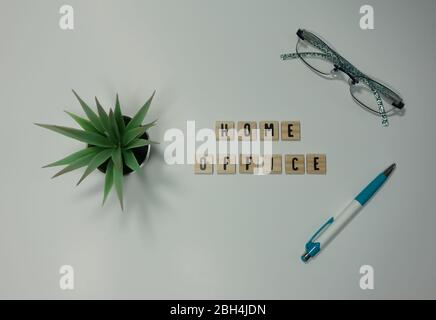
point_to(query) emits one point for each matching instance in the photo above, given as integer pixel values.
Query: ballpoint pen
(334, 225)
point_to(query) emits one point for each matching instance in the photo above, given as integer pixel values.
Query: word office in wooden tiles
(292, 164)
(296, 164)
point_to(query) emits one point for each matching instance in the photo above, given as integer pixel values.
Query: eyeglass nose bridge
(353, 79)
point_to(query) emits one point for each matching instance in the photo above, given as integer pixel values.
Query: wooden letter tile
(294, 164)
(226, 164)
(247, 130)
(269, 164)
(225, 130)
(203, 165)
(291, 130)
(246, 164)
(316, 163)
(269, 130)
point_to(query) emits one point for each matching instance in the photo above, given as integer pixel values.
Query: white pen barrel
(339, 222)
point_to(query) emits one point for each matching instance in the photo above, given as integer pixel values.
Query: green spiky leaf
(130, 160)
(96, 161)
(109, 180)
(84, 136)
(79, 163)
(114, 126)
(139, 143)
(73, 157)
(104, 119)
(140, 115)
(132, 134)
(119, 116)
(90, 114)
(117, 158)
(118, 181)
(84, 123)
(149, 125)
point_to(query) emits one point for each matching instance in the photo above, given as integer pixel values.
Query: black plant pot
(140, 153)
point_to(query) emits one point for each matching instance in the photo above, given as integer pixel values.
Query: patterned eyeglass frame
(356, 76)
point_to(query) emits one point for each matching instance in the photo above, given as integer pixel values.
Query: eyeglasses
(325, 61)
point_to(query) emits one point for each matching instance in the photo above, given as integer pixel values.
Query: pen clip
(312, 248)
(320, 230)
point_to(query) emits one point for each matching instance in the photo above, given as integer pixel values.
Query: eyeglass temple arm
(289, 56)
(381, 108)
(396, 102)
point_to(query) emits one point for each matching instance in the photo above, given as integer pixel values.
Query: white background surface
(188, 236)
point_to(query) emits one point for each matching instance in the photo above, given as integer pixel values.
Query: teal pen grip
(370, 189)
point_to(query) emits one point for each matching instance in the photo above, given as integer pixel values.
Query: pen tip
(305, 257)
(389, 170)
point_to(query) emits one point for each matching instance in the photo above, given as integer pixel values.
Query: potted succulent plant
(115, 144)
